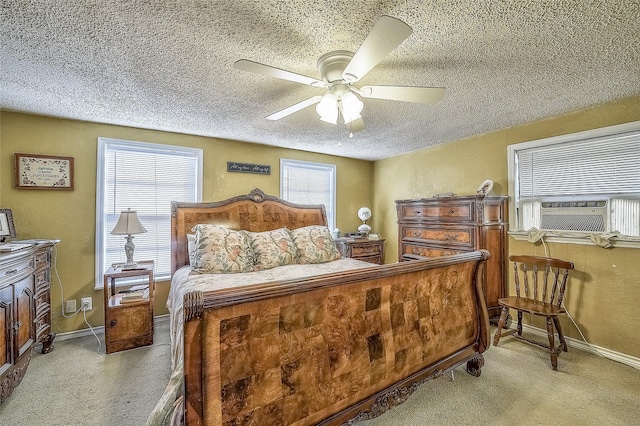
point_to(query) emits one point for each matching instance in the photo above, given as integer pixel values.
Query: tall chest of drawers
(25, 311)
(431, 227)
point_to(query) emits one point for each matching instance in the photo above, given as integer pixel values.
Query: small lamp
(364, 213)
(128, 224)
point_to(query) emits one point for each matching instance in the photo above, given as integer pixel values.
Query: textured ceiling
(168, 65)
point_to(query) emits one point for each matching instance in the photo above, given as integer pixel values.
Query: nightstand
(371, 251)
(128, 324)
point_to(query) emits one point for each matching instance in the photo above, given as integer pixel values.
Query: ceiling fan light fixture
(351, 107)
(327, 108)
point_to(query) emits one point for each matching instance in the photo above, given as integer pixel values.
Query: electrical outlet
(70, 306)
(86, 303)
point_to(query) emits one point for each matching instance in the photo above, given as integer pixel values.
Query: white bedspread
(183, 283)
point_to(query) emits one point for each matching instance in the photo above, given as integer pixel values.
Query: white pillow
(191, 246)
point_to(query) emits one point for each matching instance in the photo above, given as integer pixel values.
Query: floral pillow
(220, 250)
(314, 244)
(273, 248)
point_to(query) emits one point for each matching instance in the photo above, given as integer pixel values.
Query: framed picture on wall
(43, 172)
(7, 229)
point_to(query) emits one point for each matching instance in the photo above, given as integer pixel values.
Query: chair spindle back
(550, 274)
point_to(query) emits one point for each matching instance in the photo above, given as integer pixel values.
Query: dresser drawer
(463, 237)
(16, 271)
(43, 310)
(451, 211)
(377, 260)
(43, 259)
(366, 250)
(371, 251)
(42, 301)
(42, 279)
(427, 251)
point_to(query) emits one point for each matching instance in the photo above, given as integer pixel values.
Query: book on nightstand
(134, 294)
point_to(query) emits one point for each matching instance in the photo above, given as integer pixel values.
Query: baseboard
(629, 360)
(99, 330)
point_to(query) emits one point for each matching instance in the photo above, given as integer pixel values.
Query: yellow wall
(70, 215)
(606, 286)
(602, 296)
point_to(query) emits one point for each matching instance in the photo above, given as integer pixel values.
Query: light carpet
(74, 385)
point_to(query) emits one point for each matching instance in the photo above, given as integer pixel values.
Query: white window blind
(600, 166)
(305, 182)
(144, 177)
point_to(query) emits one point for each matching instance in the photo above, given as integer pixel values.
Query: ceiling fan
(340, 69)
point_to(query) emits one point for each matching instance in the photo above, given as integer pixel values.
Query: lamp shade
(351, 107)
(327, 108)
(128, 224)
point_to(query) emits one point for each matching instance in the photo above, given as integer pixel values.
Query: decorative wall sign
(43, 172)
(259, 169)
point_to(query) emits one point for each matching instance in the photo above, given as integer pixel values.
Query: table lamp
(364, 213)
(128, 224)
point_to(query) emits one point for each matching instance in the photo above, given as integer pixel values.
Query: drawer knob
(451, 236)
(11, 272)
(113, 323)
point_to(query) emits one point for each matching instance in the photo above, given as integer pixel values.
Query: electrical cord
(81, 308)
(584, 339)
(575, 324)
(84, 315)
(57, 275)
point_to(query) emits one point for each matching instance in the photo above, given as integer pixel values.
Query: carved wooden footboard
(332, 348)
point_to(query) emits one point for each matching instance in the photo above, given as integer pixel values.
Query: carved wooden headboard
(255, 212)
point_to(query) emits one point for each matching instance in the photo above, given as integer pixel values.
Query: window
(304, 182)
(144, 177)
(587, 181)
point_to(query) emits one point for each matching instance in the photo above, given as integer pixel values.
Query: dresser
(430, 227)
(25, 311)
(371, 251)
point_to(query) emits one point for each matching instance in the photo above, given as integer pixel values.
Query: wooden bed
(331, 349)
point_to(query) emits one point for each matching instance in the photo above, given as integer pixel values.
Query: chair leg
(519, 328)
(552, 348)
(503, 319)
(556, 322)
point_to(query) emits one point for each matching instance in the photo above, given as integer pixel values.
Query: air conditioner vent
(587, 216)
(573, 204)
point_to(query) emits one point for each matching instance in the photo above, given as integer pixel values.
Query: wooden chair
(548, 278)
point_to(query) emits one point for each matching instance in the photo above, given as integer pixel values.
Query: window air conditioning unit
(586, 216)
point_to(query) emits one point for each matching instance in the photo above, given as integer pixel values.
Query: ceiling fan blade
(356, 125)
(422, 95)
(385, 36)
(294, 108)
(246, 65)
